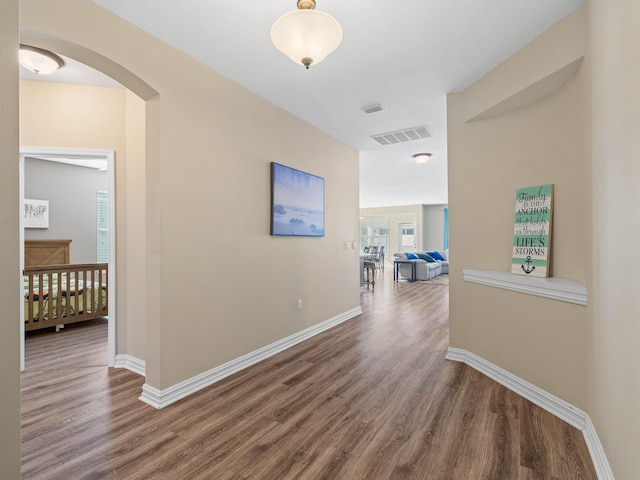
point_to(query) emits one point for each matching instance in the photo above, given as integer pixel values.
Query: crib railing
(55, 295)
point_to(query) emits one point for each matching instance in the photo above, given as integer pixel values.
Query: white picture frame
(36, 213)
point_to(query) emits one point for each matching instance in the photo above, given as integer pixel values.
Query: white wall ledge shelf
(553, 288)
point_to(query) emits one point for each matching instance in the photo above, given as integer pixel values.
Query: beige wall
(217, 285)
(60, 115)
(614, 382)
(75, 116)
(227, 287)
(132, 340)
(10, 281)
(583, 138)
(539, 340)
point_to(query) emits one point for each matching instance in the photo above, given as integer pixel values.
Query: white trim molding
(130, 363)
(553, 288)
(552, 404)
(162, 398)
(599, 458)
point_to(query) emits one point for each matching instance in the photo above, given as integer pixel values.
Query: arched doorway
(139, 90)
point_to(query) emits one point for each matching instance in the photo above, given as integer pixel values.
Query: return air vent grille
(405, 135)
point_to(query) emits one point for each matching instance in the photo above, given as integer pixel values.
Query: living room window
(374, 232)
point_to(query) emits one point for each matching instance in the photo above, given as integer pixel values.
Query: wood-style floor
(373, 398)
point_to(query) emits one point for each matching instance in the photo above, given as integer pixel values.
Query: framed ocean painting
(297, 202)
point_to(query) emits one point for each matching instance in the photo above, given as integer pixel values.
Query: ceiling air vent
(405, 135)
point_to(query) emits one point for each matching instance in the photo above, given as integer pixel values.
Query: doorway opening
(407, 237)
(106, 158)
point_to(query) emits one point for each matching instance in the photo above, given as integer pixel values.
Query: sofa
(426, 267)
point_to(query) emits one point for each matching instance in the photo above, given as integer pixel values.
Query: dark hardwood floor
(373, 398)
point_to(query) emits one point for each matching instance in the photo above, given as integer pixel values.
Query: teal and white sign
(532, 231)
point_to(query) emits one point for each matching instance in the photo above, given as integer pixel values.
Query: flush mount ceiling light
(39, 61)
(421, 158)
(305, 35)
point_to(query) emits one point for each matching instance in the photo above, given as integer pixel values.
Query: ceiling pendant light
(305, 35)
(421, 158)
(39, 61)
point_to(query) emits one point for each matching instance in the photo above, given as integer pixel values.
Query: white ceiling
(73, 72)
(405, 55)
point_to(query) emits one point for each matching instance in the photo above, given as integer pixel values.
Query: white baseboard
(130, 363)
(599, 458)
(552, 404)
(561, 409)
(161, 398)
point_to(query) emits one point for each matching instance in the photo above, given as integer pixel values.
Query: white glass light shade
(306, 36)
(41, 62)
(421, 158)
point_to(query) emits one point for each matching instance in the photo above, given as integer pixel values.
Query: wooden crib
(57, 292)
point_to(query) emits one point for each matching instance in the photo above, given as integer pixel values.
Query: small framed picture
(36, 213)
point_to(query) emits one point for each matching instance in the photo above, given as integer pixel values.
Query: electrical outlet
(300, 304)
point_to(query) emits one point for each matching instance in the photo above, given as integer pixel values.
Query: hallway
(371, 398)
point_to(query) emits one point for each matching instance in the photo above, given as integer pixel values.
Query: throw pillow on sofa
(411, 256)
(436, 256)
(425, 256)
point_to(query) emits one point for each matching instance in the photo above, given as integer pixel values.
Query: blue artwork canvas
(297, 202)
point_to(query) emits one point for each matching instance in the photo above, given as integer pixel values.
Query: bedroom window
(102, 222)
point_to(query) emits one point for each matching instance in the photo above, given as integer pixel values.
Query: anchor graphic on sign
(528, 270)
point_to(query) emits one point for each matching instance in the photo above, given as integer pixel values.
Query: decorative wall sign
(36, 213)
(532, 231)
